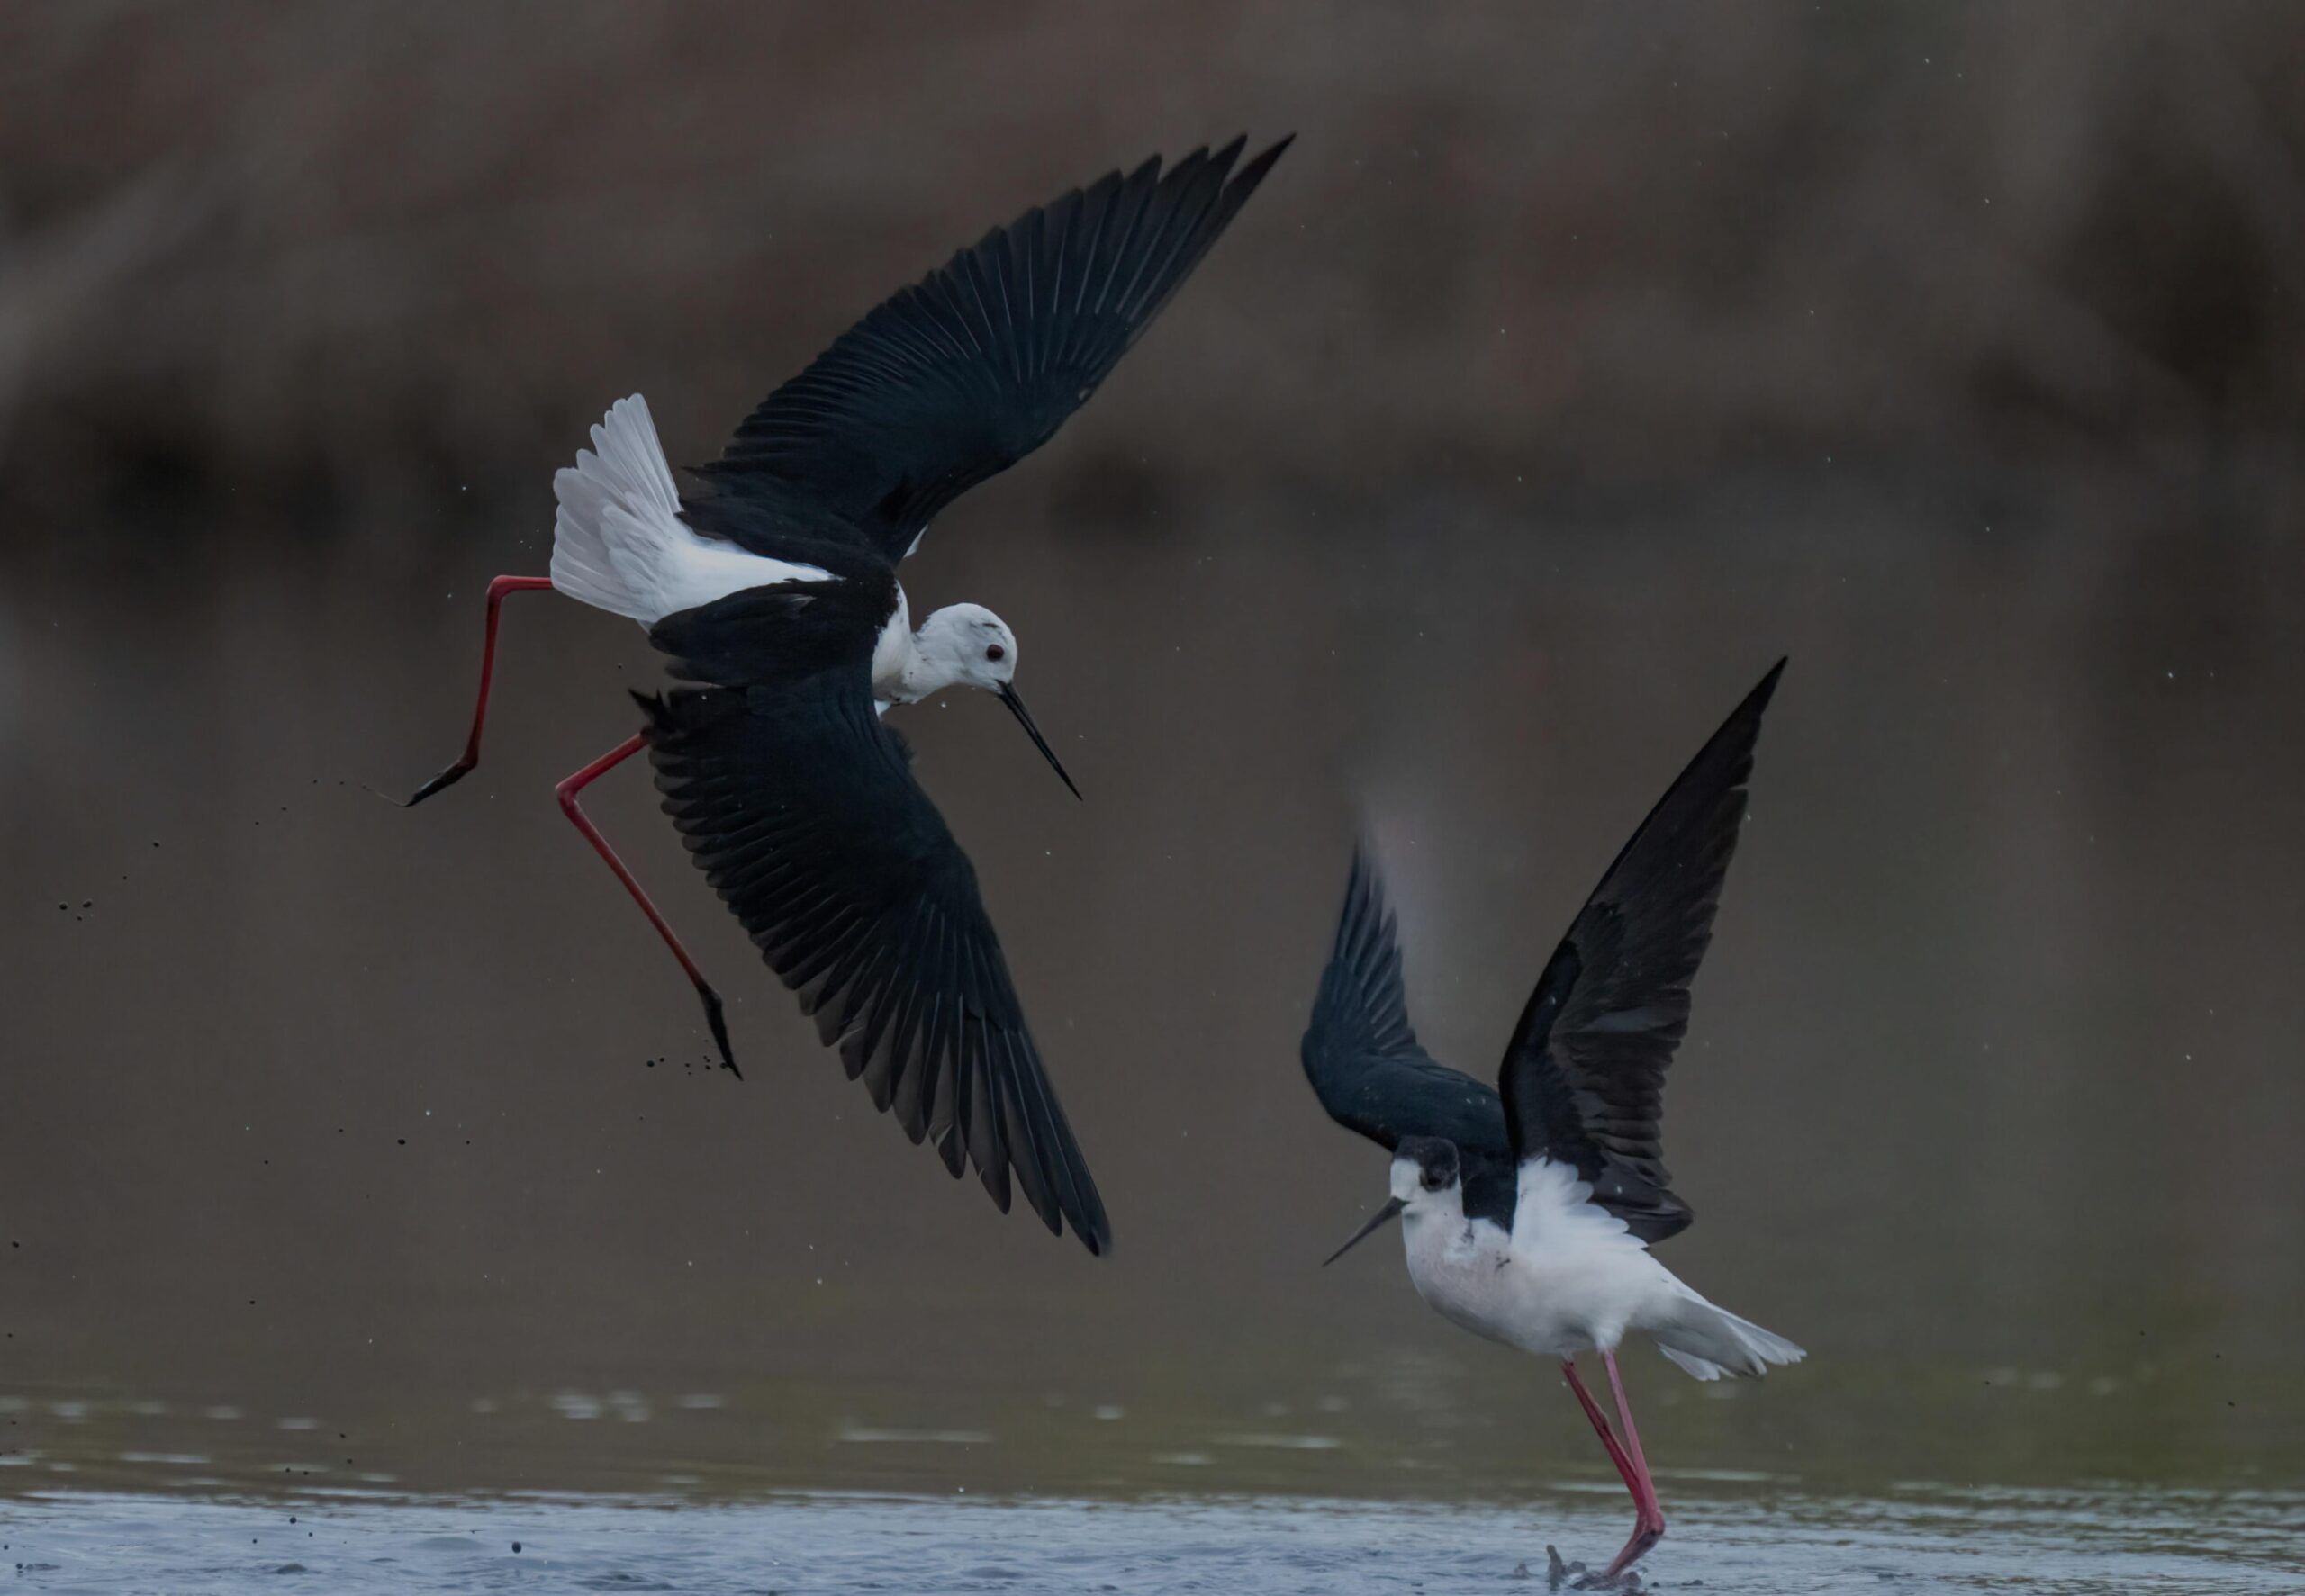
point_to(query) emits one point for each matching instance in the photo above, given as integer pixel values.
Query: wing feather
(801, 808)
(964, 374)
(1583, 1079)
(1368, 1068)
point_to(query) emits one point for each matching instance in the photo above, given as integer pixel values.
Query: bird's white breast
(1569, 1278)
(1464, 1268)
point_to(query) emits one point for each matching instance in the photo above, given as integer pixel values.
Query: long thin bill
(1023, 719)
(1391, 1211)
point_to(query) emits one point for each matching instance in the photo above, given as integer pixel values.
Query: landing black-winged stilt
(774, 591)
(1528, 1211)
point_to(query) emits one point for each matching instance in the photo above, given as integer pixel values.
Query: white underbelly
(1471, 1277)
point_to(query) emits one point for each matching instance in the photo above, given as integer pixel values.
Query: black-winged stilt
(1527, 1211)
(774, 590)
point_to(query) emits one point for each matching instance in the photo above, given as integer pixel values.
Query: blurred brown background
(1576, 362)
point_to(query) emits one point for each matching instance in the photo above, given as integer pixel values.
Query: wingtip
(1086, 1221)
(1765, 690)
(1365, 943)
(1368, 880)
(1221, 157)
(1085, 1212)
(1247, 178)
(1079, 1204)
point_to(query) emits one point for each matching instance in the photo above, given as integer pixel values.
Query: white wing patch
(618, 542)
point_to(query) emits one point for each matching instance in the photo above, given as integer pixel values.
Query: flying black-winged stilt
(774, 591)
(1527, 1211)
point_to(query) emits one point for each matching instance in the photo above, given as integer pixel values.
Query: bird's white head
(1426, 1179)
(968, 645)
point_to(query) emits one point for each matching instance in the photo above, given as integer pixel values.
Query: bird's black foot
(720, 1025)
(1647, 1529)
(447, 778)
(1576, 1576)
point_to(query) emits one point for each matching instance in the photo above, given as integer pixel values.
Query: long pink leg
(568, 789)
(1601, 1426)
(1649, 1517)
(471, 755)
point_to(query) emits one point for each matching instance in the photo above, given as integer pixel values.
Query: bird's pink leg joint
(471, 755)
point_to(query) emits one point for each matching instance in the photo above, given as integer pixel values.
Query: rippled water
(1390, 1481)
(1914, 1540)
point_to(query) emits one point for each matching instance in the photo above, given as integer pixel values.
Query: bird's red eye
(993, 651)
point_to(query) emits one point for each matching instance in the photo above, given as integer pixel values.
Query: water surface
(1750, 1540)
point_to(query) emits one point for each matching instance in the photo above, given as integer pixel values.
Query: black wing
(801, 809)
(1583, 1079)
(1368, 1068)
(965, 373)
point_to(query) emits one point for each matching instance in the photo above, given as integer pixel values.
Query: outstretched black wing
(965, 373)
(801, 809)
(1368, 1068)
(1583, 1079)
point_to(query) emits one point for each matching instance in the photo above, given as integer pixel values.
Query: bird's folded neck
(916, 676)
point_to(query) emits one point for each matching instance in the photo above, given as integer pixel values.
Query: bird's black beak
(1391, 1211)
(1023, 719)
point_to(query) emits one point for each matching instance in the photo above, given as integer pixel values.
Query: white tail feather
(1709, 1342)
(618, 542)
